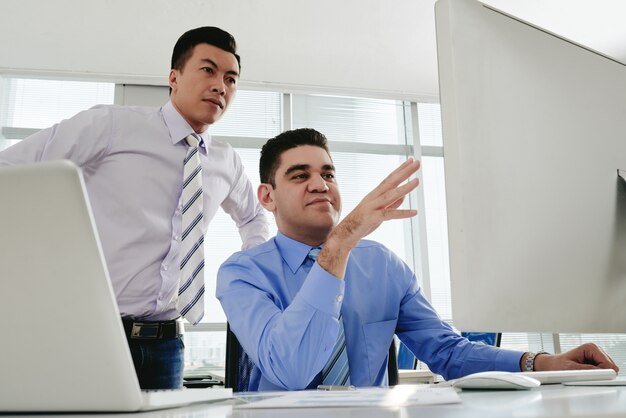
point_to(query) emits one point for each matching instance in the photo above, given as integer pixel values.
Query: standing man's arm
(83, 139)
(244, 208)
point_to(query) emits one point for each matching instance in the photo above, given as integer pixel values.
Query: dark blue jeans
(159, 363)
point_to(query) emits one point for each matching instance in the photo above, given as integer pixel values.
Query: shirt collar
(293, 252)
(177, 125)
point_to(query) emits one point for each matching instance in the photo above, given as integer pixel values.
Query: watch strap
(529, 364)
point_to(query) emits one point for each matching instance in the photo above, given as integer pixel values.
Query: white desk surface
(547, 401)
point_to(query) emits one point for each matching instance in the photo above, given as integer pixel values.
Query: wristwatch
(529, 364)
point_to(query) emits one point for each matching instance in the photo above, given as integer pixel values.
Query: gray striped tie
(191, 285)
(336, 371)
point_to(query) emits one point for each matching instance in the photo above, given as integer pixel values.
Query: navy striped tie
(336, 371)
(191, 285)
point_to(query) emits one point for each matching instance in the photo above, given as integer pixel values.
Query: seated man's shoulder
(368, 246)
(254, 253)
(376, 253)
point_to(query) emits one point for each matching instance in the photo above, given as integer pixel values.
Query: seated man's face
(306, 200)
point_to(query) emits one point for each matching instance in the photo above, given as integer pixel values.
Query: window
(368, 139)
(27, 105)
(364, 134)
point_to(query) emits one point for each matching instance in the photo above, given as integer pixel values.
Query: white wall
(596, 24)
(381, 46)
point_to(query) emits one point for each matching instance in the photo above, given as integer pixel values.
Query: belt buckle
(143, 330)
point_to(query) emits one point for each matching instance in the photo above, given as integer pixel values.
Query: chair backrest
(239, 365)
(392, 364)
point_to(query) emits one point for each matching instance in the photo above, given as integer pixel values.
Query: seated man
(291, 313)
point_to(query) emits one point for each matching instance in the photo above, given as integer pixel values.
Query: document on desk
(401, 395)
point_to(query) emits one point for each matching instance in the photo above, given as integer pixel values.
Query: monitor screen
(534, 130)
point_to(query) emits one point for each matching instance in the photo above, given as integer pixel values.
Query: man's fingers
(397, 176)
(398, 213)
(389, 197)
(596, 355)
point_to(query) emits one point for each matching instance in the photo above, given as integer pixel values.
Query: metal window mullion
(287, 112)
(335, 146)
(556, 341)
(206, 327)
(418, 223)
(118, 94)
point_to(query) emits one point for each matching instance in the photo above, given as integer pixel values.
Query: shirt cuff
(323, 291)
(508, 360)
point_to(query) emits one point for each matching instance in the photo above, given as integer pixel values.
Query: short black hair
(274, 148)
(203, 35)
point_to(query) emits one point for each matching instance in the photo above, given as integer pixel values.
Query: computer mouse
(495, 380)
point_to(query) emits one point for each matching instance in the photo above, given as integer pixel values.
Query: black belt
(153, 330)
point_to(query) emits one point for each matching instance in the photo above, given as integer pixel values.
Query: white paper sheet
(401, 395)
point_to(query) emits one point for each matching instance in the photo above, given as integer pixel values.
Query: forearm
(289, 345)
(295, 346)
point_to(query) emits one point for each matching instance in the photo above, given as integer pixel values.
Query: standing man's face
(204, 88)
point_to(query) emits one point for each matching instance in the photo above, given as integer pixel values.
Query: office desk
(547, 401)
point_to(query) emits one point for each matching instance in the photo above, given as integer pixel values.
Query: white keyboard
(565, 376)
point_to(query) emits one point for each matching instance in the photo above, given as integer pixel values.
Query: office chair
(239, 365)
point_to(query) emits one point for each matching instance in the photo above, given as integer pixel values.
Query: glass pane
(355, 178)
(254, 114)
(437, 235)
(30, 103)
(222, 240)
(205, 353)
(527, 341)
(357, 175)
(429, 117)
(351, 119)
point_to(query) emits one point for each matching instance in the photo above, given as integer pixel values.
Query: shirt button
(176, 237)
(339, 298)
(165, 267)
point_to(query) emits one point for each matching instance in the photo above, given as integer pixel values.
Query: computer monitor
(534, 130)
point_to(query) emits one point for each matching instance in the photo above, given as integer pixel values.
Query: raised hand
(380, 205)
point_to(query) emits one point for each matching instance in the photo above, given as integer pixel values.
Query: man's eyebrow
(297, 167)
(211, 62)
(328, 167)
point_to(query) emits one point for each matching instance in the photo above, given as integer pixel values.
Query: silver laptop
(63, 346)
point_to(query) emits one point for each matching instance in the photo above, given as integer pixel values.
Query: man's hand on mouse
(586, 356)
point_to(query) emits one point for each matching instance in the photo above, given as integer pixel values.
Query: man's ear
(173, 79)
(265, 194)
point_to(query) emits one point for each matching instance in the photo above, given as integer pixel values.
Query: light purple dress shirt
(132, 162)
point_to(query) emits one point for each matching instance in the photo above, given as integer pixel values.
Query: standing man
(155, 178)
(313, 317)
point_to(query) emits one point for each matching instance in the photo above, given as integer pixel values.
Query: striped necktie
(336, 370)
(191, 284)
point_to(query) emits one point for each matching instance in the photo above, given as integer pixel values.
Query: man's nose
(218, 86)
(317, 184)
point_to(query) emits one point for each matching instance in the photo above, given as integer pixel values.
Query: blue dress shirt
(286, 318)
(132, 162)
